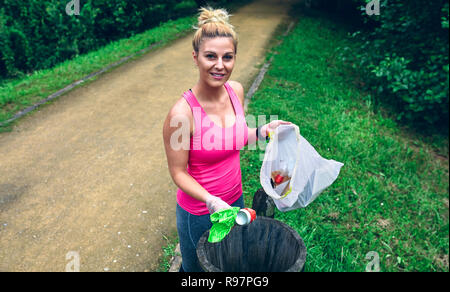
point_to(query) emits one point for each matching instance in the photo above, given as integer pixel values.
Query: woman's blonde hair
(213, 23)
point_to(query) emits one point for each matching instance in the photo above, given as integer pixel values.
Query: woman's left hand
(270, 127)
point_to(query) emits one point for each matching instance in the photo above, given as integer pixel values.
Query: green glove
(222, 221)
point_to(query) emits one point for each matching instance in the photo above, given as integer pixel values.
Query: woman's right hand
(215, 204)
(270, 127)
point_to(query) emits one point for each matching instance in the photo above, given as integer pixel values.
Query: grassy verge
(20, 93)
(169, 253)
(392, 196)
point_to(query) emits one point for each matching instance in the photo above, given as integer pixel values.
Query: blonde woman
(204, 132)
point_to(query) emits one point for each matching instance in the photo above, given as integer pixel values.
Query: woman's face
(215, 60)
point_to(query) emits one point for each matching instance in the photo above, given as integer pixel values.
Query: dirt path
(88, 173)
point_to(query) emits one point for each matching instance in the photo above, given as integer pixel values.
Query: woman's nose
(219, 63)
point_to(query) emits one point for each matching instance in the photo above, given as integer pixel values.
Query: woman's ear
(195, 56)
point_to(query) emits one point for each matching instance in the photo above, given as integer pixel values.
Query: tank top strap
(190, 98)
(234, 99)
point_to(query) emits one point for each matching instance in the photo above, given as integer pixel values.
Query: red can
(245, 216)
(279, 179)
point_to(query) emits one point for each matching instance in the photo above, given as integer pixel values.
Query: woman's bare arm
(177, 128)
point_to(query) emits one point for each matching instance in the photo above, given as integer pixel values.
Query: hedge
(404, 55)
(38, 34)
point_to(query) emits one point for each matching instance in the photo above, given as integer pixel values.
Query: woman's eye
(227, 57)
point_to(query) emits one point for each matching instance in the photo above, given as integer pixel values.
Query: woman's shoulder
(181, 107)
(179, 115)
(238, 89)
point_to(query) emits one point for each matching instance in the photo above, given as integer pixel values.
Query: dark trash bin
(265, 245)
(263, 204)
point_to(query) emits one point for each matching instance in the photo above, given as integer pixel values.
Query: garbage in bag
(293, 173)
(222, 221)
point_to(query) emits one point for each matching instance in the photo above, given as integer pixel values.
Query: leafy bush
(38, 34)
(404, 57)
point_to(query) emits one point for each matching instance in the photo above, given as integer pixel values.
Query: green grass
(392, 194)
(20, 93)
(168, 253)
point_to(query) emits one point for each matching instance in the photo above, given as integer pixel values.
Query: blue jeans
(190, 229)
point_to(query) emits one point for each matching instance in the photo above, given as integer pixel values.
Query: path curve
(88, 173)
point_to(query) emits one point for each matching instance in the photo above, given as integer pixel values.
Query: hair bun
(210, 15)
(213, 23)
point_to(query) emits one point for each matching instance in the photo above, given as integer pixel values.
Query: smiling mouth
(217, 75)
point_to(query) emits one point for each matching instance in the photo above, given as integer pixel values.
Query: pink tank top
(214, 160)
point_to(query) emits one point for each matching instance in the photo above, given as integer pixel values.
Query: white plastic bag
(309, 173)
